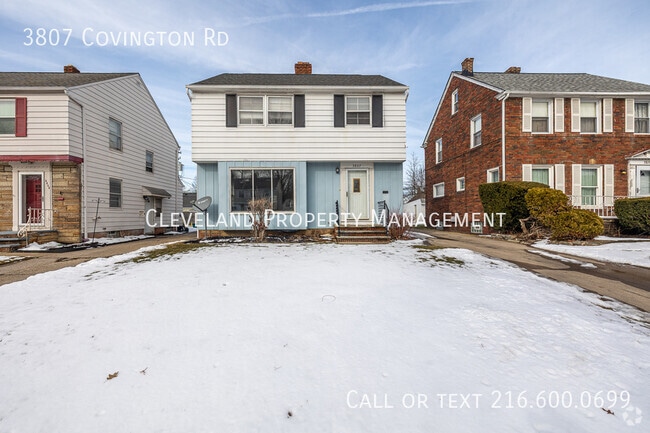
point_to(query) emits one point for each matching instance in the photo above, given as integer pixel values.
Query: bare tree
(414, 178)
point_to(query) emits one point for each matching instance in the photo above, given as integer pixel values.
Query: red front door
(33, 198)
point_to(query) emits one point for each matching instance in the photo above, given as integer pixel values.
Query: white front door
(643, 181)
(358, 194)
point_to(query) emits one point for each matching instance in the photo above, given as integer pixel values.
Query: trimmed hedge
(507, 197)
(544, 203)
(576, 224)
(633, 214)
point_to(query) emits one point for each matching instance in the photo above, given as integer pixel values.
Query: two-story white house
(310, 143)
(83, 154)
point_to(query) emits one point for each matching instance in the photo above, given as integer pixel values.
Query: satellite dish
(203, 203)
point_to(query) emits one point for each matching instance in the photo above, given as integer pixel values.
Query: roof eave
(232, 87)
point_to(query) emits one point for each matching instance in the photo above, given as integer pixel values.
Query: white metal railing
(603, 206)
(37, 219)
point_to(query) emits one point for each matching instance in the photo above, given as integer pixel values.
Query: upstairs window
(357, 110)
(493, 175)
(439, 151)
(7, 117)
(279, 110)
(251, 110)
(114, 134)
(149, 162)
(588, 116)
(476, 129)
(454, 102)
(460, 184)
(439, 190)
(641, 118)
(541, 119)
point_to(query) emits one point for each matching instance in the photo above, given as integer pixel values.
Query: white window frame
(599, 121)
(116, 143)
(120, 195)
(348, 110)
(439, 151)
(11, 102)
(454, 102)
(472, 135)
(490, 172)
(460, 184)
(549, 169)
(268, 110)
(646, 103)
(148, 166)
(439, 190)
(240, 110)
(252, 170)
(549, 116)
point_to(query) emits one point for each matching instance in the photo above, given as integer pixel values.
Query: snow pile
(316, 338)
(631, 253)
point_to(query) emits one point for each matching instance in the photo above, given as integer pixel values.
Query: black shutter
(377, 111)
(298, 111)
(339, 111)
(231, 111)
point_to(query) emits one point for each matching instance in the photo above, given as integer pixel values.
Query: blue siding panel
(323, 190)
(207, 185)
(389, 180)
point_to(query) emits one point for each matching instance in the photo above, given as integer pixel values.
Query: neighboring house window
(460, 184)
(279, 110)
(541, 175)
(357, 110)
(251, 110)
(476, 129)
(115, 193)
(114, 134)
(439, 151)
(541, 119)
(454, 102)
(588, 116)
(7, 117)
(641, 118)
(493, 175)
(589, 186)
(439, 190)
(277, 185)
(149, 162)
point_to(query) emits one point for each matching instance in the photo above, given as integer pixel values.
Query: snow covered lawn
(317, 338)
(632, 253)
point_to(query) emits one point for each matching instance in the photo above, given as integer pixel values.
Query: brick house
(582, 134)
(82, 154)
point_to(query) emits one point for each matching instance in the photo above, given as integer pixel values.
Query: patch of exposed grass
(427, 247)
(430, 256)
(168, 251)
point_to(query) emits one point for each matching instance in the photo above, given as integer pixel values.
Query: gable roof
(298, 80)
(556, 83)
(55, 79)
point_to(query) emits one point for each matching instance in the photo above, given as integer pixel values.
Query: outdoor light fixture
(338, 170)
(623, 171)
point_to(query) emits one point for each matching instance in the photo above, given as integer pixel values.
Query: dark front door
(33, 198)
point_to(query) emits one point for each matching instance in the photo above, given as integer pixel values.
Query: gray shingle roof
(558, 83)
(54, 79)
(298, 80)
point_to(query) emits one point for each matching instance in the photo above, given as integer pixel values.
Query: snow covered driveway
(317, 338)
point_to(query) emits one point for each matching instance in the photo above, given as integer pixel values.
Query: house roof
(556, 83)
(55, 79)
(299, 80)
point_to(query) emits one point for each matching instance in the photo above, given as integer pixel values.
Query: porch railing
(37, 219)
(603, 206)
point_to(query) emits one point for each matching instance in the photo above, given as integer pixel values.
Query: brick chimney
(302, 68)
(70, 69)
(513, 70)
(468, 66)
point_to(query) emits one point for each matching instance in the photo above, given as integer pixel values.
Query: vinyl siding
(389, 177)
(317, 141)
(323, 188)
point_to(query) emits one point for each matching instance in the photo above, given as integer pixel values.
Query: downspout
(503, 98)
(84, 195)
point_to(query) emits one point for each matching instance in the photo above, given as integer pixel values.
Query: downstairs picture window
(276, 185)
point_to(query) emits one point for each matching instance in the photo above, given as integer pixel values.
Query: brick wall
(458, 159)
(6, 197)
(66, 201)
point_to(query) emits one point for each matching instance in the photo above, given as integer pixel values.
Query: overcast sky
(416, 43)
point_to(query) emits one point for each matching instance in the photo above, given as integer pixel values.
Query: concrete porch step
(363, 235)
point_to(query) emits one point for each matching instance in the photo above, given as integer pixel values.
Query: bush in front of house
(633, 214)
(575, 225)
(509, 198)
(545, 203)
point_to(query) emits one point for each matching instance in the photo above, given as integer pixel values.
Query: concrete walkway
(38, 262)
(626, 283)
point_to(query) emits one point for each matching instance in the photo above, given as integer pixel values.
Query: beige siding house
(82, 155)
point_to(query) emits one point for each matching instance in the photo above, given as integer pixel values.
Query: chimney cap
(71, 69)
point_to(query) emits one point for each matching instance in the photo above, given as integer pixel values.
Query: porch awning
(149, 191)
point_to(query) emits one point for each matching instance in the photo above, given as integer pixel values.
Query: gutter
(84, 195)
(502, 97)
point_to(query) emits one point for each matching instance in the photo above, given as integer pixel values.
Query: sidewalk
(39, 262)
(626, 283)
